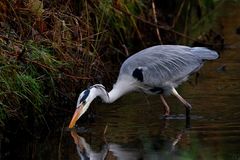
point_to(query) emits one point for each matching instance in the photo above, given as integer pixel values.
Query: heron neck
(119, 89)
(114, 94)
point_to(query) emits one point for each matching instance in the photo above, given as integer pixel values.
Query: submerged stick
(105, 129)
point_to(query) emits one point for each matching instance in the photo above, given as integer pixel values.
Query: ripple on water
(180, 117)
(217, 131)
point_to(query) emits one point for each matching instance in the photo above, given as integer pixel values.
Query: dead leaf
(36, 7)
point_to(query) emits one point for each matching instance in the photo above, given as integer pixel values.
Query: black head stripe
(85, 95)
(137, 73)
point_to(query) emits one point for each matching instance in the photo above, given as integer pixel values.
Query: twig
(41, 65)
(76, 77)
(30, 61)
(60, 142)
(186, 21)
(166, 28)
(156, 22)
(178, 14)
(125, 49)
(135, 25)
(105, 129)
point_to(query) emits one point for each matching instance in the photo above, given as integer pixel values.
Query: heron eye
(84, 102)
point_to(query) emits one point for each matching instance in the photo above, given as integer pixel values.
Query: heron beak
(78, 112)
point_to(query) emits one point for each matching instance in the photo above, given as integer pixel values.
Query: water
(133, 127)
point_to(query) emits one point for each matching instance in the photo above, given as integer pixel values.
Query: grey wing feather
(204, 53)
(166, 65)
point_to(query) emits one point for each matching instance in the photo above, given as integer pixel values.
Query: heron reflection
(117, 151)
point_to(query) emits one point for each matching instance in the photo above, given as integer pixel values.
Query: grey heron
(155, 70)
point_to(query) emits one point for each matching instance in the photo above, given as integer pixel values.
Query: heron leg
(166, 107)
(186, 104)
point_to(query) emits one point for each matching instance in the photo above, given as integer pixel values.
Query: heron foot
(188, 118)
(188, 111)
(166, 114)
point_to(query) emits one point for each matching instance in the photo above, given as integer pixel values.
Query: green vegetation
(50, 50)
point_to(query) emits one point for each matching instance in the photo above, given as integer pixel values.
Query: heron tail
(204, 53)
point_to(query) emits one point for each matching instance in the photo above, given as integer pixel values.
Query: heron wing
(166, 65)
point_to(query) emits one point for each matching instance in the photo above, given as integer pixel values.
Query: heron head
(84, 100)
